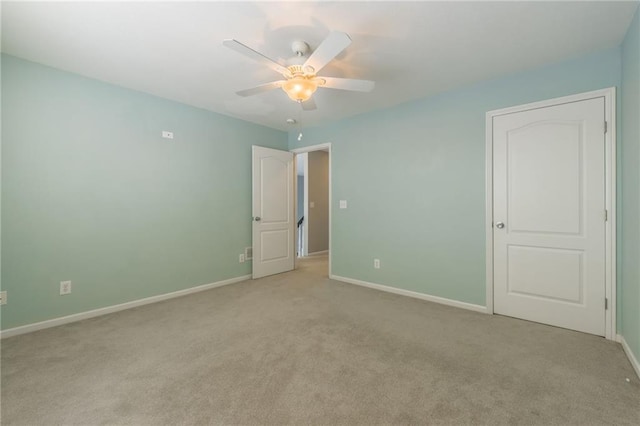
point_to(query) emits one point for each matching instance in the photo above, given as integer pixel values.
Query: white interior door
(273, 211)
(549, 215)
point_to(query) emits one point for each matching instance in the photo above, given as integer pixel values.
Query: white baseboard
(318, 253)
(115, 308)
(414, 294)
(627, 350)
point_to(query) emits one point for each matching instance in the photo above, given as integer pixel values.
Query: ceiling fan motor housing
(300, 48)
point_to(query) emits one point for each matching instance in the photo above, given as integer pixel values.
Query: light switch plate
(312, 204)
(343, 204)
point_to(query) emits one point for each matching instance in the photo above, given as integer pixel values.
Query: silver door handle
(257, 218)
(499, 225)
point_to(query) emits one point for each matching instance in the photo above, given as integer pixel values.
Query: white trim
(554, 101)
(305, 203)
(318, 253)
(318, 147)
(297, 212)
(323, 147)
(488, 222)
(115, 308)
(627, 350)
(610, 202)
(414, 294)
(609, 96)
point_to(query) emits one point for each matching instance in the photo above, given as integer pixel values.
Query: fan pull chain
(300, 122)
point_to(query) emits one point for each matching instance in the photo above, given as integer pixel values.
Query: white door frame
(319, 147)
(609, 96)
(305, 205)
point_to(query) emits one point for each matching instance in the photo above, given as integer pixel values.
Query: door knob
(257, 218)
(499, 225)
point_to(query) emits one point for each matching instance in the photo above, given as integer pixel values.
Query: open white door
(273, 211)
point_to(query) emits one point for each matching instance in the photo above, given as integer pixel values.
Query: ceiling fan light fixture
(300, 72)
(299, 88)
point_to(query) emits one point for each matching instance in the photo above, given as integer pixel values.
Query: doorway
(551, 212)
(313, 201)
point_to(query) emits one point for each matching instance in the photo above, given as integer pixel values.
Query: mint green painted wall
(91, 193)
(414, 178)
(630, 227)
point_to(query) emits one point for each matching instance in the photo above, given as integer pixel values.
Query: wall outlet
(3, 297)
(241, 258)
(343, 204)
(65, 287)
(376, 263)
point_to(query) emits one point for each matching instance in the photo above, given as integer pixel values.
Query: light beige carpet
(298, 348)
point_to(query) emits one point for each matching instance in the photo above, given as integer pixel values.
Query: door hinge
(606, 215)
(606, 303)
(606, 127)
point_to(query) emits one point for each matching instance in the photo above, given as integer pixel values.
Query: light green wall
(414, 178)
(91, 193)
(630, 227)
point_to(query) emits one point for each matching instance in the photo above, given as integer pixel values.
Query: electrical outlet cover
(65, 287)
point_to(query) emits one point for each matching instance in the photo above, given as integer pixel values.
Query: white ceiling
(411, 49)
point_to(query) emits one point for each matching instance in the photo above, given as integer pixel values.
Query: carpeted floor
(298, 348)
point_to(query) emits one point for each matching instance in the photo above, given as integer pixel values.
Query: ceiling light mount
(300, 48)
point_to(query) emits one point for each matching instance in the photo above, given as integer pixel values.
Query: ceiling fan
(300, 73)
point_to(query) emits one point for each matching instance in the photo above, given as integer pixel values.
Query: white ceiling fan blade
(256, 56)
(347, 84)
(335, 43)
(261, 88)
(309, 105)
